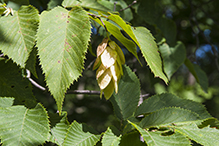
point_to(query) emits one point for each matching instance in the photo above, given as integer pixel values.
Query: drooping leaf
(157, 139)
(126, 27)
(6, 101)
(59, 132)
(12, 84)
(109, 139)
(126, 100)
(62, 41)
(206, 136)
(150, 52)
(198, 73)
(89, 4)
(131, 139)
(169, 115)
(22, 126)
(18, 34)
(173, 57)
(165, 100)
(77, 137)
(115, 31)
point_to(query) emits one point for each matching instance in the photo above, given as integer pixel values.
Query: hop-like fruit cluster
(109, 63)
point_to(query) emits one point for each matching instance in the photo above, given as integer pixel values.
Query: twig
(33, 82)
(90, 92)
(115, 6)
(1, 55)
(128, 6)
(95, 16)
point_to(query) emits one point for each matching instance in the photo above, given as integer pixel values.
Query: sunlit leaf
(77, 137)
(109, 139)
(18, 34)
(157, 139)
(89, 4)
(206, 136)
(59, 132)
(62, 41)
(150, 52)
(22, 126)
(169, 115)
(165, 100)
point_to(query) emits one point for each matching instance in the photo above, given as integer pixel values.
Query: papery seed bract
(102, 46)
(108, 91)
(100, 71)
(108, 57)
(104, 79)
(115, 71)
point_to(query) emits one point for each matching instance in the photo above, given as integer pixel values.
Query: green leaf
(115, 31)
(12, 84)
(109, 139)
(77, 137)
(198, 73)
(62, 40)
(169, 115)
(54, 3)
(206, 136)
(126, 27)
(89, 4)
(58, 132)
(31, 62)
(157, 139)
(6, 102)
(126, 100)
(18, 34)
(173, 57)
(131, 139)
(22, 126)
(165, 100)
(150, 52)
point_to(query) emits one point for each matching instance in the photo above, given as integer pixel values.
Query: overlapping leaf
(198, 73)
(156, 139)
(18, 34)
(165, 100)
(77, 137)
(109, 139)
(173, 57)
(168, 116)
(62, 41)
(206, 136)
(12, 84)
(59, 132)
(126, 100)
(89, 4)
(150, 52)
(22, 126)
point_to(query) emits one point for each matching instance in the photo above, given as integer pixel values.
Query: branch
(33, 82)
(135, 1)
(89, 92)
